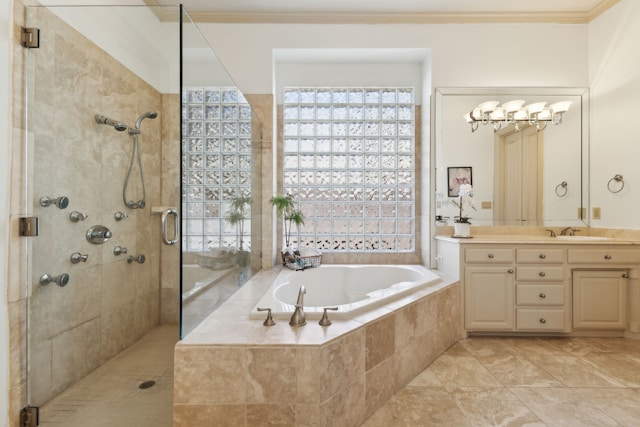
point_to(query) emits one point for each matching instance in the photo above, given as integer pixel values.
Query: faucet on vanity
(297, 318)
(571, 231)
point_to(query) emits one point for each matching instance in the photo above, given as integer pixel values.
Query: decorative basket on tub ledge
(302, 261)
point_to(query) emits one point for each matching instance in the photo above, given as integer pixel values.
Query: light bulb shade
(560, 107)
(545, 114)
(497, 114)
(512, 106)
(489, 106)
(521, 115)
(535, 108)
(467, 118)
(476, 114)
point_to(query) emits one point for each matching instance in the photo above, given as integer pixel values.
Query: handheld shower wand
(135, 152)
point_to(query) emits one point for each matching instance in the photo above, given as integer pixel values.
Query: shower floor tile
(110, 395)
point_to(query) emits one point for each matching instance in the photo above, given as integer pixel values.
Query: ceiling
(392, 11)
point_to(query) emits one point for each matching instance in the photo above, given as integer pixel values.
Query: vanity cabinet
(599, 299)
(489, 277)
(541, 288)
(600, 286)
(489, 298)
(551, 287)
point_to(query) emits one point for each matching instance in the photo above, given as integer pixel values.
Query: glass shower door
(95, 279)
(221, 186)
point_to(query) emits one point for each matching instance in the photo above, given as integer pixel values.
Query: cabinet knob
(607, 257)
(542, 256)
(490, 256)
(625, 275)
(542, 274)
(543, 320)
(542, 295)
(510, 271)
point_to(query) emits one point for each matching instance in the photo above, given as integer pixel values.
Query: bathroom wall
(614, 60)
(448, 61)
(108, 303)
(498, 55)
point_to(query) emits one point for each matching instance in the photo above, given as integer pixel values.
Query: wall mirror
(520, 177)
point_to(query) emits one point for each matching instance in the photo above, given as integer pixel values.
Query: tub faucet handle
(325, 319)
(269, 320)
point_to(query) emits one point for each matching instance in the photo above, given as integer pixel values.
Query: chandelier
(513, 113)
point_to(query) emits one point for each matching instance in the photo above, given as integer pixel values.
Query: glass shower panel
(96, 284)
(221, 187)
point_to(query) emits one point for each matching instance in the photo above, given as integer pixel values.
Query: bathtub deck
(242, 372)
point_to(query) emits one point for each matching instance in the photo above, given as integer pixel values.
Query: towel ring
(616, 178)
(561, 189)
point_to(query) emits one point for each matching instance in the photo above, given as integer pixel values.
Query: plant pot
(462, 229)
(243, 258)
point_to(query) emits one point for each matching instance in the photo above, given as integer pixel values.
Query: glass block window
(216, 167)
(349, 156)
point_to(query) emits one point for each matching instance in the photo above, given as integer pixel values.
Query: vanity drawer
(603, 256)
(488, 256)
(540, 294)
(540, 272)
(544, 319)
(542, 255)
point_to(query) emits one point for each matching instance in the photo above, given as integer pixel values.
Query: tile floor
(570, 382)
(110, 397)
(489, 381)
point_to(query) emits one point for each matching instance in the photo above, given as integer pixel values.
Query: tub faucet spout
(297, 318)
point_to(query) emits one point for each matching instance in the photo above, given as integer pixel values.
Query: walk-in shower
(63, 333)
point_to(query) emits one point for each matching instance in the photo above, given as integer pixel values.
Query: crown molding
(390, 18)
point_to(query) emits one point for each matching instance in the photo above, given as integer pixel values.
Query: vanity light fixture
(513, 113)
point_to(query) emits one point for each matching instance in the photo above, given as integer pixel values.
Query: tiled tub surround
(233, 371)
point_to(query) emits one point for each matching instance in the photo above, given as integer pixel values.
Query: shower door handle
(163, 218)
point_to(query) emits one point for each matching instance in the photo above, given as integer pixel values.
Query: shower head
(102, 120)
(147, 115)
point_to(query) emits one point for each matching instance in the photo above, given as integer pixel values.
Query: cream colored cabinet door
(489, 298)
(599, 299)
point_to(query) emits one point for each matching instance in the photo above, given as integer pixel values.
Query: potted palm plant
(287, 209)
(237, 215)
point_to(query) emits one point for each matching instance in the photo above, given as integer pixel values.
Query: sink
(583, 238)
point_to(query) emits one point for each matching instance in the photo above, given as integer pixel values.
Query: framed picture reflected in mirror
(456, 176)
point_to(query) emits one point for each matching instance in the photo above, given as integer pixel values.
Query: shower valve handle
(98, 234)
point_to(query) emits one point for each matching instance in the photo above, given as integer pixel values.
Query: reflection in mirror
(220, 182)
(526, 173)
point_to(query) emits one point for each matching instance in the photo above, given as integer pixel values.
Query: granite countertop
(537, 239)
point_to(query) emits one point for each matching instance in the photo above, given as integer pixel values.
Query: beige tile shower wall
(108, 303)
